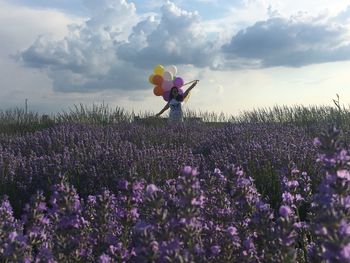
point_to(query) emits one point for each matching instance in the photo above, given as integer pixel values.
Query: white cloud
(21, 26)
(178, 38)
(297, 41)
(95, 55)
(288, 8)
(86, 58)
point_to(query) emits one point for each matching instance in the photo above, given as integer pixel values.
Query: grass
(19, 121)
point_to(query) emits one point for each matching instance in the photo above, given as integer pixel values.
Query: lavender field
(241, 191)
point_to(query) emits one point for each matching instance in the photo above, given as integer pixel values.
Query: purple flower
(123, 184)
(293, 184)
(288, 198)
(42, 206)
(343, 174)
(347, 202)
(104, 259)
(198, 249)
(232, 230)
(217, 171)
(91, 199)
(187, 170)
(12, 236)
(134, 213)
(317, 142)
(44, 220)
(344, 228)
(154, 246)
(199, 201)
(45, 255)
(285, 211)
(151, 189)
(137, 186)
(321, 231)
(248, 243)
(300, 225)
(215, 249)
(345, 252)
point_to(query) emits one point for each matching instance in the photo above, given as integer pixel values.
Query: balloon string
(189, 82)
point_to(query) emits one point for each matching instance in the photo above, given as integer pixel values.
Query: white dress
(175, 114)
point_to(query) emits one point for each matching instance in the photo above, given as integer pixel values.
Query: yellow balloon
(150, 79)
(159, 70)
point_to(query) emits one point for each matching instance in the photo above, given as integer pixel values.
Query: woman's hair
(179, 97)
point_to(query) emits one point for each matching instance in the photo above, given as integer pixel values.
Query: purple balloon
(178, 82)
(166, 95)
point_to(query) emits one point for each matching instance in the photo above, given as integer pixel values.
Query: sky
(247, 54)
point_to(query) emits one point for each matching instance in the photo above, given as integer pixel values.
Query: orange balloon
(158, 91)
(157, 80)
(150, 78)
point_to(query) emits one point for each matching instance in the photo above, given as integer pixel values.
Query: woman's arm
(191, 87)
(164, 109)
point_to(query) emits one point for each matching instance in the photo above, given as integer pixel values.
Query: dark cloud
(295, 42)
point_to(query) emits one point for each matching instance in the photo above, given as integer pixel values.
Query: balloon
(150, 78)
(172, 69)
(164, 80)
(157, 80)
(166, 95)
(167, 85)
(158, 91)
(167, 75)
(178, 82)
(159, 70)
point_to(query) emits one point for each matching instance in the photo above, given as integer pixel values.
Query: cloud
(177, 38)
(116, 49)
(343, 15)
(86, 59)
(294, 42)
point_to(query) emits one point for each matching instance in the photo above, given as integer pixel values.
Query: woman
(174, 103)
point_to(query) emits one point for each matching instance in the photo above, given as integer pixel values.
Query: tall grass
(19, 121)
(300, 115)
(98, 114)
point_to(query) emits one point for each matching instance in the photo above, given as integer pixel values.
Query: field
(91, 185)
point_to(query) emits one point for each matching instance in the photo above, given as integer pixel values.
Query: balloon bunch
(164, 80)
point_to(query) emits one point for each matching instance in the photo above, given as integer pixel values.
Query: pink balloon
(167, 85)
(178, 82)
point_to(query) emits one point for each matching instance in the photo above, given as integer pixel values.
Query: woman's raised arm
(191, 87)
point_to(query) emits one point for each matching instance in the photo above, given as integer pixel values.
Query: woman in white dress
(174, 103)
